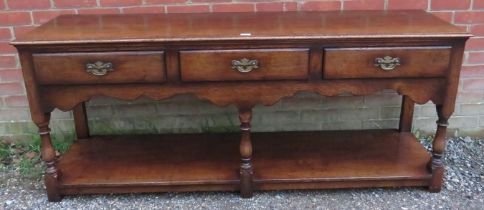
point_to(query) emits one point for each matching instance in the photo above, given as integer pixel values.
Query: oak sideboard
(241, 60)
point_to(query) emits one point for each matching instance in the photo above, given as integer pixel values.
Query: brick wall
(185, 114)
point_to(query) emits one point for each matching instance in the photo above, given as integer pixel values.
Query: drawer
(386, 62)
(254, 64)
(99, 68)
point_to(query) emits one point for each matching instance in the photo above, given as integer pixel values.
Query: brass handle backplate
(245, 65)
(387, 63)
(99, 68)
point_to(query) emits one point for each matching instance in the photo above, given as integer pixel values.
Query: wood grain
(164, 55)
(80, 121)
(128, 67)
(272, 64)
(68, 29)
(416, 62)
(406, 114)
(189, 162)
(240, 93)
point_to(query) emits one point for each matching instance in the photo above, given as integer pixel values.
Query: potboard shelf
(207, 162)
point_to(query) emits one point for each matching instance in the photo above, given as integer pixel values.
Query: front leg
(436, 164)
(51, 176)
(246, 173)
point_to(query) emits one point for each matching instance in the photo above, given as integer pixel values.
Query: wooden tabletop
(239, 26)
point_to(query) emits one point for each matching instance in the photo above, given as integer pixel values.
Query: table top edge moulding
(241, 59)
(105, 28)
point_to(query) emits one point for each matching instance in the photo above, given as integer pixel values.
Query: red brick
(28, 4)
(11, 88)
(462, 27)
(474, 84)
(11, 75)
(99, 11)
(450, 4)
(144, 10)
(478, 4)
(5, 47)
(16, 101)
(364, 5)
(234, 7)
(187, 8)
(475, 58)
(8, 61)
(269, 6)
(321, 5)
(290, 6)
(210, 1)
(477, 30)
(115, 3)
(407, 4)
(472, 71)
(15, 18)
(5, 34)
(2, 5)
(276, 6)
(475, 43)
(447, 16)
(19, 30)
(74, 4)
(44, 16)
(469, 17)
(165, 1)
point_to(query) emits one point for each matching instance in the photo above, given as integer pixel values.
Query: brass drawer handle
(387, 63)
(99, 68)
(244, 65)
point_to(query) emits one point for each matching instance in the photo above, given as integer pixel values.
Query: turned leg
(41, 119)
(80, 121)
(406, 114)
(436, 163)
(246, 173)
(48, 156)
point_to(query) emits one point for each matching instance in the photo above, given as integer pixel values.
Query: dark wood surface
(406, 114)
(128, 67)
(144, 160)
(338, 155)
(272, 64)
(80, 121)
(265, 93)
(192, 160)
(160, 56)
(220, 26)
(341, 63)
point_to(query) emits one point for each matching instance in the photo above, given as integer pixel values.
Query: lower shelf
(210, 162)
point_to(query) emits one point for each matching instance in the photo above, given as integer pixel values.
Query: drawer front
(386, 62)
(255, 64)
(99, 68)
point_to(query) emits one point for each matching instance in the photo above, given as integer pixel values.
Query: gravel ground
(463, 189)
